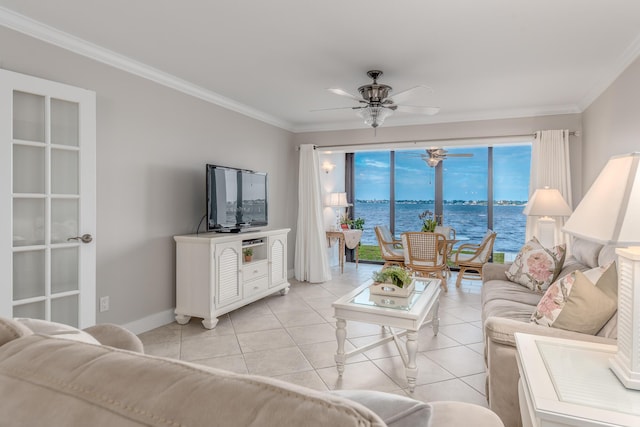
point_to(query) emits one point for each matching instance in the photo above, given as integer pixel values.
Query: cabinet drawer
(254, 270)
(255, 286)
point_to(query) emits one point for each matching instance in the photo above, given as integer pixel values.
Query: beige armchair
(470, 258)
(390, 248)
(424, 255)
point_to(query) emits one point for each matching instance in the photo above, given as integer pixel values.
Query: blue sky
(465, 178)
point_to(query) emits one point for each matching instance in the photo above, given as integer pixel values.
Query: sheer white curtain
(550, 167)
(311, 263)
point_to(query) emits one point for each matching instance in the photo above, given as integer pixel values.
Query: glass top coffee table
(406, 314)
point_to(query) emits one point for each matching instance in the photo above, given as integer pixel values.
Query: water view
(463, 183)
(469, 221)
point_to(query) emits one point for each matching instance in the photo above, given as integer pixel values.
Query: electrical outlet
(104, 304)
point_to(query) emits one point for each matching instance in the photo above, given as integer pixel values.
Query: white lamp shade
(337, 200)
(609, 213)
(547, 202)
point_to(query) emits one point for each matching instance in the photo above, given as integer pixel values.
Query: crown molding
(445, 118)
(629, 55)
(48, 34)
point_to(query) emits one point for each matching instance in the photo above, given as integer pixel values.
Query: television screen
(236, 199)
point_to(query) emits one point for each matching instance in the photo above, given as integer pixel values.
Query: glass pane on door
(371, 198)
(414, 190)
(64, 270)
(34, 310)
(28, 116)
(465, 189)
(28, 274)
(64, 122)
(28, 222)
(65, 310)
(64, 220)
(28, 169)
(64, 172)
(511, 166)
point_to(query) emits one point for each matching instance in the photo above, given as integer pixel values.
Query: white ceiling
(274, 59)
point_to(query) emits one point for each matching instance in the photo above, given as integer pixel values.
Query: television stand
(212, 277)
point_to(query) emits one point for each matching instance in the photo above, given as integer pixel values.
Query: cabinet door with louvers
(278, 259)
(228, 273)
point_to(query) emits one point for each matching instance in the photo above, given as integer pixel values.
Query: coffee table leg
(436, 318)
(341, 335)
(412, 350)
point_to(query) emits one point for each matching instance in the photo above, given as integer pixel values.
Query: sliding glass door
(487, 189)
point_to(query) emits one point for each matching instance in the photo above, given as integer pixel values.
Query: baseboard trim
(150, 322)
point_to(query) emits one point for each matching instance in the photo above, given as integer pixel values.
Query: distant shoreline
(450, 202)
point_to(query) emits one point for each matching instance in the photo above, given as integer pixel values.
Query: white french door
(47, 200)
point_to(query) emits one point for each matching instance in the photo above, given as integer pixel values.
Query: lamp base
(547, 231)
(628, 378)
(626, 362)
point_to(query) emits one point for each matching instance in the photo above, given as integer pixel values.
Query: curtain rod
(422, 141)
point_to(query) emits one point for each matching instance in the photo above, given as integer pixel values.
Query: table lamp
(609, 214)
(337, 201)
(545, 203)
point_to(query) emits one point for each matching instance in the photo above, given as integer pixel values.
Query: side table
(569, 383)
(346, 238)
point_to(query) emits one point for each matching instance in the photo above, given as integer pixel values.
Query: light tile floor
(292, 338)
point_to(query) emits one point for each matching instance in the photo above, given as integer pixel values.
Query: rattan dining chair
(423, 255)
(470, 258)
(390, 248)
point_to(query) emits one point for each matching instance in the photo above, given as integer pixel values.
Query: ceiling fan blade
(341, 92)
(402, 95)
(335, 108)
(459, 155)
(429, 111)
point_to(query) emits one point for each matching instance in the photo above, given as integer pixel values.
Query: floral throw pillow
(574, 303)
(536, 267)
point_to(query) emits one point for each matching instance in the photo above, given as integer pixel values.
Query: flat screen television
(236, 199)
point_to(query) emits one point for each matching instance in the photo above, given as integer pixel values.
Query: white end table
(569, 383)
(407, 314)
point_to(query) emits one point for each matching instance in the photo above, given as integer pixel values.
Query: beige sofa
(507, 308)
(54, 375)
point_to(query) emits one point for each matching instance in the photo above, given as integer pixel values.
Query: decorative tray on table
(389, 289)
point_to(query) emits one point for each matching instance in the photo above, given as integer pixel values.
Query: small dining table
(349, 239)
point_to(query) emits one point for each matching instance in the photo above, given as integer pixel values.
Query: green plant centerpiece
(429, 221)
(394, 274)
(394, 280)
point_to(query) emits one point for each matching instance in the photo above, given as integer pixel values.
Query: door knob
(85, 238)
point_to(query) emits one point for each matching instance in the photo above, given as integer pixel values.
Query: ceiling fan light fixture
(432, 161)
(374, 115)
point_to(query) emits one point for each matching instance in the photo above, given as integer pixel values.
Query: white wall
(611, 124)
(152, 147)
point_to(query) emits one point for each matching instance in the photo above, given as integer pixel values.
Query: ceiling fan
(435, 155)
(377, 103)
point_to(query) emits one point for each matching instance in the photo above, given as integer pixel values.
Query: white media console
(212, 278)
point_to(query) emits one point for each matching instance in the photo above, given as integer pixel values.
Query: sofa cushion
(58, 330)
(535, 266)
(586, 252)
(574, 303)
(507, 309)
(70, 383)
(11, 329)
(395, 410)
(607, 255)
(506, 290)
